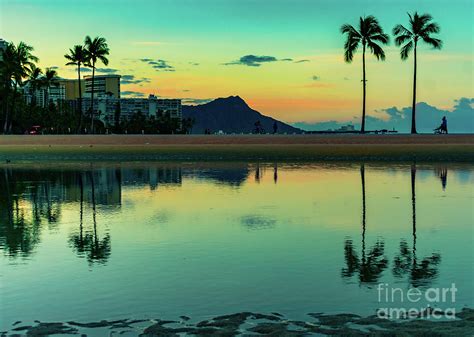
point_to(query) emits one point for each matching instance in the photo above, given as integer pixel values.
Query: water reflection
(34, 198)
(370, 265)
(442, 173)
(89, 244)
(420, 272)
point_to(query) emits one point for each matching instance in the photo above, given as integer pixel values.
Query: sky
(284, 57)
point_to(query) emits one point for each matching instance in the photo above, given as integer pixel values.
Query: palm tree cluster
(89, 54)
(371, 36)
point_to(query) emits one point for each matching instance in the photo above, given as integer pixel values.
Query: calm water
(105, 241)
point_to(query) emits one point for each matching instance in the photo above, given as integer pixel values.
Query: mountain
(231, 115)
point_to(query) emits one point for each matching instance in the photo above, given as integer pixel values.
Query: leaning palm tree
(35, 81)
(15, 65)
(50, 79)
(370, 34)
(421, 28)
(96, 50)
(77, 56)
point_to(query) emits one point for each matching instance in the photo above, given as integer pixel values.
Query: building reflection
(32, 200)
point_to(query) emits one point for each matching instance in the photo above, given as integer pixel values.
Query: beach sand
(442, 148)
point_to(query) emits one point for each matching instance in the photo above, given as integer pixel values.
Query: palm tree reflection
(371, 264)
(420, 273)
(90, 245)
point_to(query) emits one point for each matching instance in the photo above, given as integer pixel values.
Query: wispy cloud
(107, 70)
(132, 94)
(252, 60)
(131, 79)
(301, 61)
(195, 101)
(316, 78)
(158, 65)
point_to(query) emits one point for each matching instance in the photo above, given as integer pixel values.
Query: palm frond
(376, 50)
(435, 43)
(382, 38)
(431, 28)
(401, 39)
(406, 49)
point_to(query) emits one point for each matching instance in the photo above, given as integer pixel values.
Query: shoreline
(271, 324)
(401, 148)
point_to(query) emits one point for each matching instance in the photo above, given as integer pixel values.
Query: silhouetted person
(258, 127)
(443, 128)
(275, 127)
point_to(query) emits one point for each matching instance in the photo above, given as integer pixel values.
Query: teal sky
(214, 32)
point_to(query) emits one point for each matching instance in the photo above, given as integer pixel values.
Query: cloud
(253, 60)
(194, 101)
(301, 61)
(158, 65)
(106, 70)
(346, 78)
(288, 59)
(84, 70)
(131, 79)
(460, 118)
(132, 94)
(316, 78)
(54, 67)
(194, 63)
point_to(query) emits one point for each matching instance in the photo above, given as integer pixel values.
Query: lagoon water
(88, 242)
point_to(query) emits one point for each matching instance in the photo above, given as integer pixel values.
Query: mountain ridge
(231, 115)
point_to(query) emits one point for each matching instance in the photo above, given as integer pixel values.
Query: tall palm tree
(77, 56)
(35, 81)
(421, 27)
(96, 50)
(16, 64)
(50, 79)
(370, 34)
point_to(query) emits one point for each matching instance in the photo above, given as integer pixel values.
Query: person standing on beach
(444, 125)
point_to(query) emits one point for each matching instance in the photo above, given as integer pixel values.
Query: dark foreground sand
(257, 324)
(448, 148)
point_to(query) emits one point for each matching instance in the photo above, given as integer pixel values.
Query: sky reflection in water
(110, 241)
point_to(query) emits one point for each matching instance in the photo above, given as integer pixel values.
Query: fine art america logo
(440, 302)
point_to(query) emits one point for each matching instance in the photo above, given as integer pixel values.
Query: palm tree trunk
(413, 208)
(362, 177)
(5, 124)
(8, 123)
(80, 98)
(413, 107)
(362, 128)
(92, 98)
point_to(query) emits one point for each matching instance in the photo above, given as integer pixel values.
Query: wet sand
(446, 148)
(256, 324)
